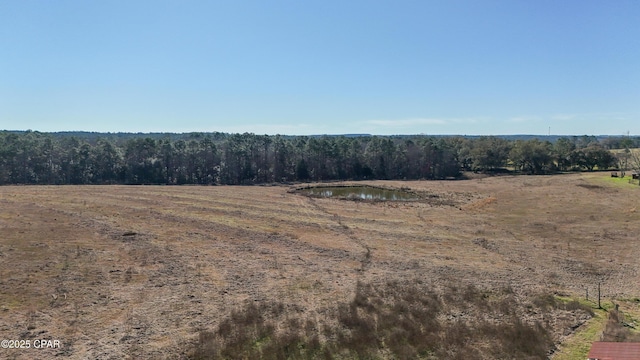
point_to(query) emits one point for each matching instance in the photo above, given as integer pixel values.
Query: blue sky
(321, 67)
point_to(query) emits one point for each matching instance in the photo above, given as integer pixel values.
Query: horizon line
(299, 135)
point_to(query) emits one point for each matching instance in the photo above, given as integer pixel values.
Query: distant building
(614, 351)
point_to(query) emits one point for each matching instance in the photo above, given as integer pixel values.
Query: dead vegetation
(619, 329)
(155, 272)
(399, 320)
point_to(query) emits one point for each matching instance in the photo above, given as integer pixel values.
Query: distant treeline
(217, 158)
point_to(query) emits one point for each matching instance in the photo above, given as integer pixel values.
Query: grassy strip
(619, 181)
(578, 345)
(615, 181)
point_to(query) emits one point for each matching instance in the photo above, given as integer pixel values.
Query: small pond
(360, 193)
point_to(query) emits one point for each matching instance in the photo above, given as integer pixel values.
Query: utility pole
(599, 306)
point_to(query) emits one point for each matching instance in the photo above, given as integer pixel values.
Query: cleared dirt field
(138, 271)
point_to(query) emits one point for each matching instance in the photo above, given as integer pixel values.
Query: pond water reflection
(360, 192)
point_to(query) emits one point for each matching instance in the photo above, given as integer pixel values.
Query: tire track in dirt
(365, 262)
(305, 212)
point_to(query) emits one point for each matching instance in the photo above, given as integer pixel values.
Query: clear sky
(321, 67)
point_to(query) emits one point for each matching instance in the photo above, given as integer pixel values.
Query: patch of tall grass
(397, 319)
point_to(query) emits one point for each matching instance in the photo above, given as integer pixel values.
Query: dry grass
(193, 255)
(399, 320)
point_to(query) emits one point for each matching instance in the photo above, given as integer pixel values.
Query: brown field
(139, 271)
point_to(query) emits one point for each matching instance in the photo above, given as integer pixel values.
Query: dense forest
(216, 158)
